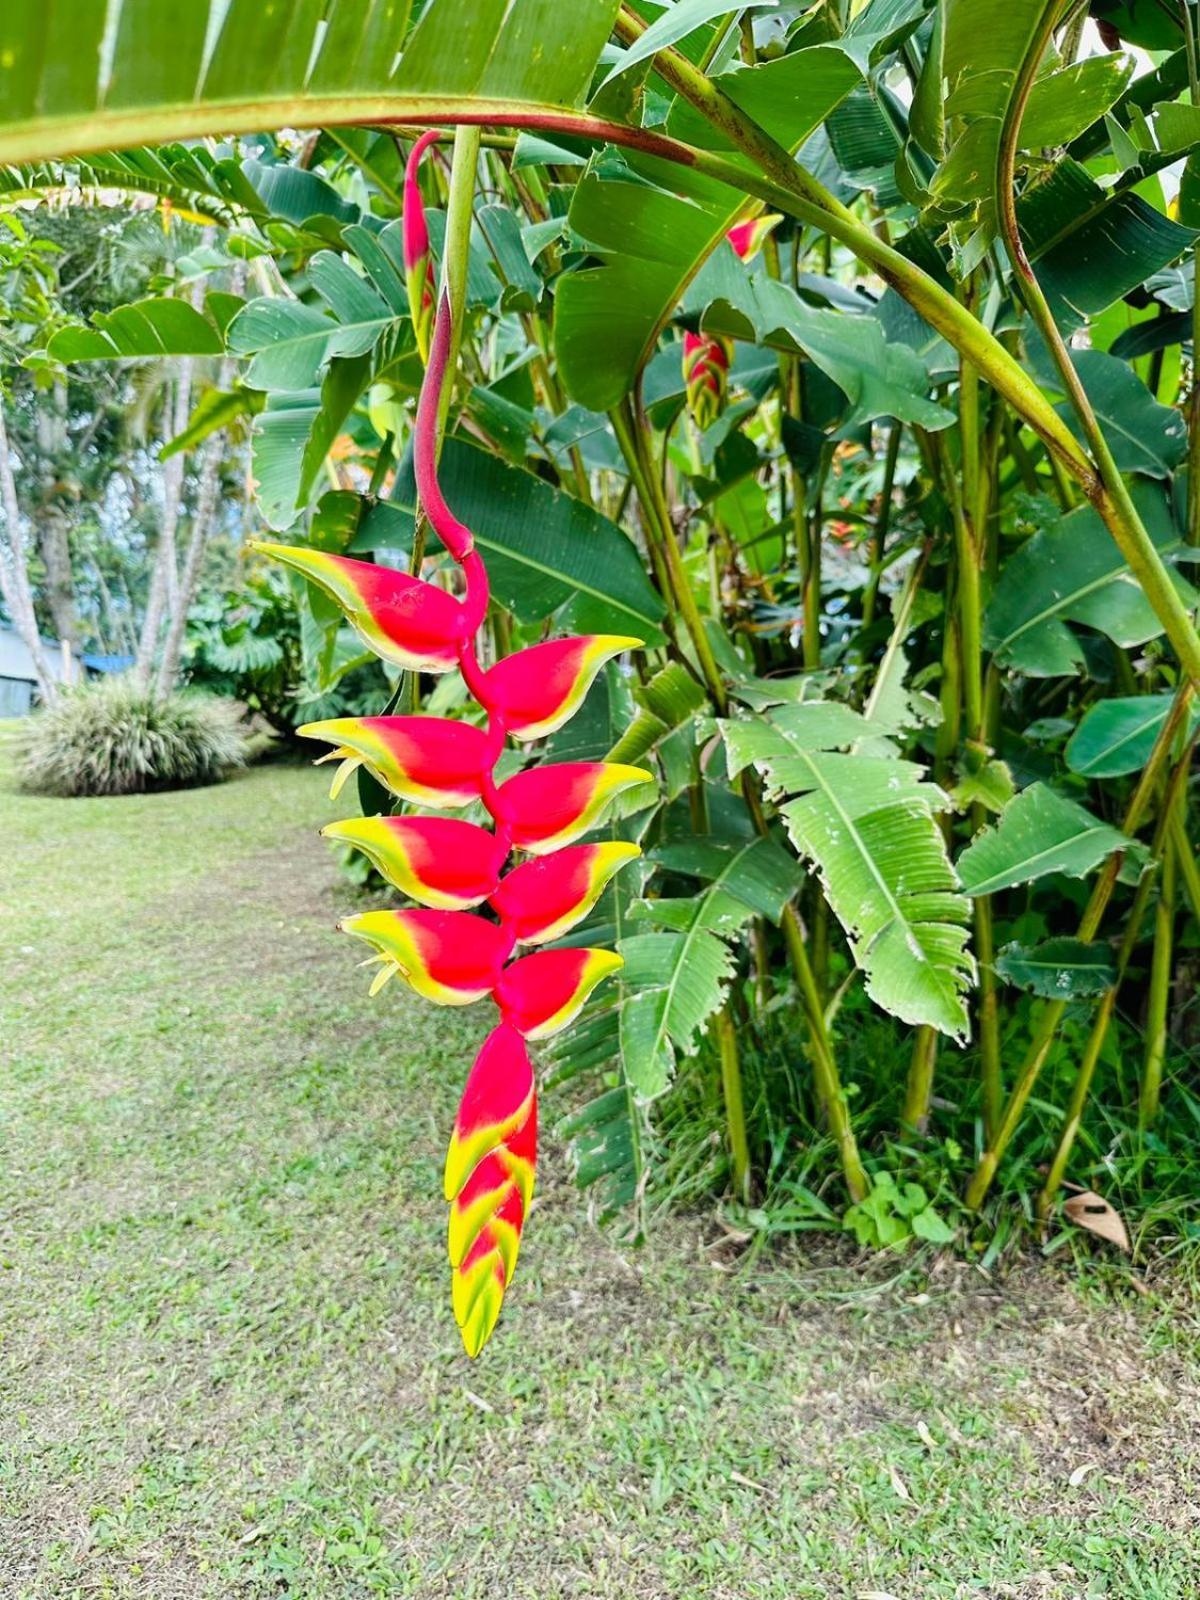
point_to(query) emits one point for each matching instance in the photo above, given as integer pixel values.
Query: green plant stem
(825, 1074)
(735, 1110)
(631, 432)
(918, 1091)
(882, 522)
(810, 529)
(1159, 997)
(1081, 1088)
(1089, 924)
(990, 1071)
(1185, 861)
(968, 504)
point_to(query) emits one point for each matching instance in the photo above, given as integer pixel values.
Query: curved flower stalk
(418, 257)
(707, 357)
(447, 949)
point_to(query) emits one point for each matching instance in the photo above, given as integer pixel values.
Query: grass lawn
(228, 1365)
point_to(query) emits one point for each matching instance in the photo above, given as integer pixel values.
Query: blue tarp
(107, 663)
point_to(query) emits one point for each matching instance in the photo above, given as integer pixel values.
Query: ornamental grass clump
(114, 737)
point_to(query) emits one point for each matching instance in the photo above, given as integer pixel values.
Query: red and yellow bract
(446, 951)
(707, 357)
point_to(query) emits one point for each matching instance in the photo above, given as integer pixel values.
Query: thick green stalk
(882, 522)
(918, 1092)
(1089, 924)
(810, 529)
(1185, 860)
(631, 434)
(1081, 1088)
(1158, 1003)
(969, 507)
(735, 1110)
(829, 1085)
(459, 213)
(991, 1081)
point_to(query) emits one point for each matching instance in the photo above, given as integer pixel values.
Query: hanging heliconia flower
(707, 357)
(449, 951)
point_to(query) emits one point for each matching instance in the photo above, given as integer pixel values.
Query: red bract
(429, 760)
(407, 622)
(706, 360)
(544, 808)
(439, 861)
(537, 690)
(447, 953)
(544, 993)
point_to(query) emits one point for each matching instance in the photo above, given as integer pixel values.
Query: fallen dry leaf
(1092, 1211)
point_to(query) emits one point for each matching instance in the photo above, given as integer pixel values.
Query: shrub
(114, 737)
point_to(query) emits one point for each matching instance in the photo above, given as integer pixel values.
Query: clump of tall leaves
(896, 486)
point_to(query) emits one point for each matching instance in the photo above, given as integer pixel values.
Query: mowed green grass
(228, 1365)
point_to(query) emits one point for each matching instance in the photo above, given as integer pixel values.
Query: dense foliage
(111, 737)
(894, 487)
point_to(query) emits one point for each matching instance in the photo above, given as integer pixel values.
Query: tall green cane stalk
(632, 438)
(735, 1110)
(1158, 1001)
(1081, 1088)
(1053, 1011)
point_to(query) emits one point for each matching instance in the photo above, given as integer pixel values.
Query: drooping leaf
(1039, 832)
(77, 76)
(1116, 736)
(1090, 246)
(868, 824)
(880, 378)
(1071, 571)
(1058, 969)
(1143, 435)
(160, 327)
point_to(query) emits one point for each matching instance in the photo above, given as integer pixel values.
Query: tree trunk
(206, 502)
(52, 521)
(202, 516)
(14, 573)
(164, 583)
(54, 543)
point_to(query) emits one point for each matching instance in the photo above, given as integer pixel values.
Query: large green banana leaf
(80, 75)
